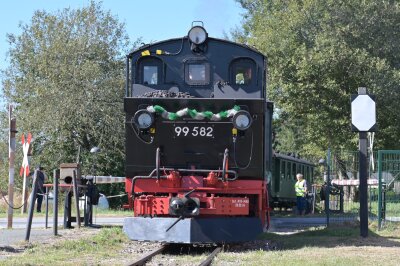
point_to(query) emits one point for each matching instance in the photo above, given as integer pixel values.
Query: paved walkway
(38, 232)
(39, 222)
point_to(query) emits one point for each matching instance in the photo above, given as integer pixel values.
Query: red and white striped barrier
(105, 179)
(353, 182)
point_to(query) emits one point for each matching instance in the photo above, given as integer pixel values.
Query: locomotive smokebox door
(67, 173)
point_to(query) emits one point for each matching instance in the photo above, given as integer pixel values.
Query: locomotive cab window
(197, 73)
(150, 71)
(242, 71)
(150, 75)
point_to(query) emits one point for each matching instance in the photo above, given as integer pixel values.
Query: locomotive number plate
(194, 131)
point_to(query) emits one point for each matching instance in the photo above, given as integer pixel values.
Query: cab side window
(150, 71)
(242, 71)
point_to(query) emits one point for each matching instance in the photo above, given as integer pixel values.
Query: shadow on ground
(347, 234)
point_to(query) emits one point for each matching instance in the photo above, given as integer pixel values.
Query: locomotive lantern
(198, 141)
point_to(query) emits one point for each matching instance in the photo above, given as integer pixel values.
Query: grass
(97, 250)
(324, 246)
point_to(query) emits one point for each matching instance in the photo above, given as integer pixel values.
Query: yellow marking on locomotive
(146, 52)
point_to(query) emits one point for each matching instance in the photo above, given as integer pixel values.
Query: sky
(153, 20)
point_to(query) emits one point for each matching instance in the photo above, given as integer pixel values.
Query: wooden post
(11, 158)
(32, 206)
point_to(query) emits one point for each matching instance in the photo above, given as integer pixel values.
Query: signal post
(363, 120)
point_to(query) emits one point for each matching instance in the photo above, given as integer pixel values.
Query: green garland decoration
(193, 113)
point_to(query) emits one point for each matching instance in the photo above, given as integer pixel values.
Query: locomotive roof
(145, 46)
(292, 158)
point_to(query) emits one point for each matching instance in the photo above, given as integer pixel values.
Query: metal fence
(389, 187)
(343, 178)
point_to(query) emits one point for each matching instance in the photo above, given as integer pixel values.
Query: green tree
(66, 78)
(319, 53)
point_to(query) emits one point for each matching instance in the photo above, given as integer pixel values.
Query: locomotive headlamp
(242, 120)
(197, 35)
(143, 119)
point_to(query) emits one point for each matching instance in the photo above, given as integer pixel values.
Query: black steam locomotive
(198, 141)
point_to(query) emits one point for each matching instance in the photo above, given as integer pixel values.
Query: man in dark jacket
(40, 188)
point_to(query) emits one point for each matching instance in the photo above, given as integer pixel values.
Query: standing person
(41, 178)
(301, 192)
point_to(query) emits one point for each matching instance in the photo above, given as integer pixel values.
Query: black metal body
(219, 55)
(252, 149)
(200, 152)
(212, 78)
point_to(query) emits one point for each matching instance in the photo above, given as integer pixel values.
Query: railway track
(148, 256)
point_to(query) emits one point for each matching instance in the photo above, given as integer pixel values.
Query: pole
(328, 187)
(76, 194)
(380, 190)
(11, 158)
(56, 174)
(32, 206)
(47, 208)
(363, 184)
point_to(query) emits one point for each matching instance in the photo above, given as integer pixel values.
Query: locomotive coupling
(184, 206)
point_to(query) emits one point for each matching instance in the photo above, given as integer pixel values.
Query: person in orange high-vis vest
(301, 192)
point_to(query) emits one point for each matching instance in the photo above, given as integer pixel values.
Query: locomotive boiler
(198, 140)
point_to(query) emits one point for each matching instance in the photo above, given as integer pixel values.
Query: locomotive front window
(197, 73)
(150, 75)
(149, 71)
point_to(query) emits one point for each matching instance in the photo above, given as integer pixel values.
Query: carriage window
(306, 173)
(150, 75)
(283, 169)
(294, 171)
(288, 173)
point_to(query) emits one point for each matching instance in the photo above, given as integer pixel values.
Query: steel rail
(148, 256)
(210, 257)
